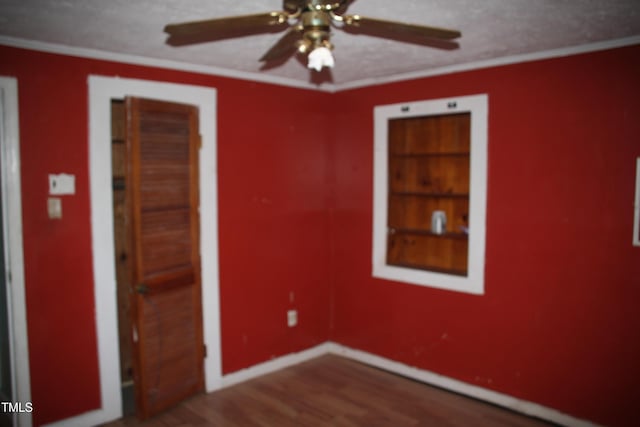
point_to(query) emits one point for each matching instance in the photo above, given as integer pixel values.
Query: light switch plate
(292, 318)
(62, 183)
(54, 207)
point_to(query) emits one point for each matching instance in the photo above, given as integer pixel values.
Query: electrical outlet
(292, 318)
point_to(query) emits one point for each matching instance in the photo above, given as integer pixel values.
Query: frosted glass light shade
(320, 57)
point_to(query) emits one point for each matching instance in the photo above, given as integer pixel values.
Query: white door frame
(101, 91)
(14, 257)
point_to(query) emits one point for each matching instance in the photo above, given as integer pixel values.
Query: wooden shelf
(447, 235)
(455, 272)
(445, 154)
(441, 195)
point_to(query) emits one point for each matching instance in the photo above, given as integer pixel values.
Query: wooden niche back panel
(429, 170)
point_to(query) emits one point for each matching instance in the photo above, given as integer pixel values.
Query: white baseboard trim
(275, 365)
(480, 393)
(427, 377)
(101, 416)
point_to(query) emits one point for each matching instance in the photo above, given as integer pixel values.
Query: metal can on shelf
(438, 222)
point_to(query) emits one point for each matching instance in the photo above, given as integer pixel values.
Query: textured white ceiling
(490, 29)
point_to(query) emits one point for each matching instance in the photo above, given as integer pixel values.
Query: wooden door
(162, 189)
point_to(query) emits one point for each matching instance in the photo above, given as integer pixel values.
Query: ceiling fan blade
(215, 29)
(372, 26)
(292, 6)
(343, 6)
(284, 47)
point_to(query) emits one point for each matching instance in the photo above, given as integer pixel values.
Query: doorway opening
(101, 91)
(122, 251)
(14, 374)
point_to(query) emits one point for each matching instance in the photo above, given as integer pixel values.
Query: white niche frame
(477, 106)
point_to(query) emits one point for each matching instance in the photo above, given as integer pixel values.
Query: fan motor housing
(315, 19)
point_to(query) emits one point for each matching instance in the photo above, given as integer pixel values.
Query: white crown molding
(328, 87)
(159, 63)
(496, 62)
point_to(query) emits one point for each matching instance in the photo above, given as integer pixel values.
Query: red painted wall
(558, 324)
(273, 222)
(274, 225)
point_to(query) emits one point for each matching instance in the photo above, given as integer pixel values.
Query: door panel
(166, 238)
(162, 187)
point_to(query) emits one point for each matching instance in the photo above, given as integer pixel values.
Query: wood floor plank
(337, 392)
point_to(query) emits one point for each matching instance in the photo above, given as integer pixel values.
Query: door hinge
(204, 351)
(199, 142)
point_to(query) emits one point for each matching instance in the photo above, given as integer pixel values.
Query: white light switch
(61, 184)
(292, 318)
(54, 206)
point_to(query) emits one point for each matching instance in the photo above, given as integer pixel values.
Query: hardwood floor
(332, 391)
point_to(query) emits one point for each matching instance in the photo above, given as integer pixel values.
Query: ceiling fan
(309, 23)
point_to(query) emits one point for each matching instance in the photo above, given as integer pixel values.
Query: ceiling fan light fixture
(309, 25)
(320, 57)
